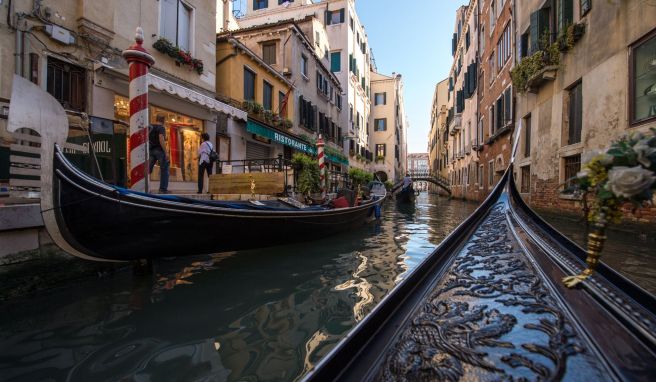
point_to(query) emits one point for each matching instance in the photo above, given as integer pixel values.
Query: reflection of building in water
(363, 294)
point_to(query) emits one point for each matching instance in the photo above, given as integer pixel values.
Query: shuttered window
(260, 4)
(565, 14)
(66, 83)
(249, 85)
(256, 151)
(336, 62)
(175, 22)
(335, 17)
(575, 114)
(269, 52)
(267, 95)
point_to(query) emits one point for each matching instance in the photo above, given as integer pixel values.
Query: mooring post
(140, 61)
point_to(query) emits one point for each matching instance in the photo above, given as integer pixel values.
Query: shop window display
(182, 140)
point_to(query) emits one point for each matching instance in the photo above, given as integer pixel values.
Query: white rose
(629, 181)
(643, 150)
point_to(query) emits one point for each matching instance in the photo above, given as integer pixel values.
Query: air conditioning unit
(286, 71)
(60, 34)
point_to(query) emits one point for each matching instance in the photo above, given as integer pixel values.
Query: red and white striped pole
(322, 164)
(140, 61)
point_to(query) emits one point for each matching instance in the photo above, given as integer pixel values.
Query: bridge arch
(425, 176)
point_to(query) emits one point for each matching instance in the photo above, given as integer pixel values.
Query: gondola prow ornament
(140, 61)
(34, 109)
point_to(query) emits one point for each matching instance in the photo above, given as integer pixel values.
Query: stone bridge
(426, 176)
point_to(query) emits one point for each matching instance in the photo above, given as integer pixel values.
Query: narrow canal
(261, 315)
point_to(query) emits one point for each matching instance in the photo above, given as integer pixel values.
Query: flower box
(180, 55)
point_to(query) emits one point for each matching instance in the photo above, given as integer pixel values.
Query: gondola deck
(489, 305)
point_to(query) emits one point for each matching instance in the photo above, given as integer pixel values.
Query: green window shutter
(535, 32)
(335, 61)
(543, 25)
(565, 14)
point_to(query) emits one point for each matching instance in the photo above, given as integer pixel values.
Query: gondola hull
(105, 223)
(406, 195)
(489, 304)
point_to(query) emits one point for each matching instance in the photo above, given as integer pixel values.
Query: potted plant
(307, 170)
(380, 158)
(287, 123)
(257, 108)
(359, 177)
(268, 116)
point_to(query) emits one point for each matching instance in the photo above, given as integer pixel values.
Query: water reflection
(261, 315)
(629, 249)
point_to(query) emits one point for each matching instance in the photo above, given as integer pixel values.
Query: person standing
(407, 181)
(157, 145)
(204, 162)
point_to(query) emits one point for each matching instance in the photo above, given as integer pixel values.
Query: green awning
(277, 136)
(287, 140)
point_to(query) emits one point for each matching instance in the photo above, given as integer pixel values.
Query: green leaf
(605, 194)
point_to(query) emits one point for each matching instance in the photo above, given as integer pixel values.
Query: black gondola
(111, 223)
(489, 304)
(406, 195)
(91, 219)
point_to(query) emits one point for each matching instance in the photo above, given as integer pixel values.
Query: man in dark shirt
(157, 145)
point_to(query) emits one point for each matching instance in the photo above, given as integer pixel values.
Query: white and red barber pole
(140, 61)
(322, 164)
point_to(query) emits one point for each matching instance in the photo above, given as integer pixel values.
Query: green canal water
(261, 315)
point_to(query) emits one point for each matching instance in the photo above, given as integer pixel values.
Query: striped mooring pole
(322, 164)
(140, 61)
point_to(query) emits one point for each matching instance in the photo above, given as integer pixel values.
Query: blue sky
(412, 38)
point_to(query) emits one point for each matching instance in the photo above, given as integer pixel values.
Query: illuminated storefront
(182, 139)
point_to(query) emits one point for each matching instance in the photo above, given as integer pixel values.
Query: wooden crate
(268, 183)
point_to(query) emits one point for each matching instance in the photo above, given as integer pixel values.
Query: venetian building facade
(389, 127)
(601, 88)
(463, 103)
(285, 48)
(438, 135)
(340, 40)
(72, 49)
(247, 82)
(495, 93)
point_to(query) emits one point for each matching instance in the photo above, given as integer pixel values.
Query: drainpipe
(18, 54)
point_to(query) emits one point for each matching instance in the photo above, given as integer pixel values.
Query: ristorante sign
(296, 144)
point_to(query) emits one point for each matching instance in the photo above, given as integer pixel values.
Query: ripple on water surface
(260, 315)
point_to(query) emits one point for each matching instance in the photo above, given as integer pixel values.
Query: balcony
(546, 74)
(455, 124)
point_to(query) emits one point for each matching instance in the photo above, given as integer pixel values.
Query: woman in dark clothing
(204, 162)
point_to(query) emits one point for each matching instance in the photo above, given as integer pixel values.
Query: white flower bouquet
(625, 173)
